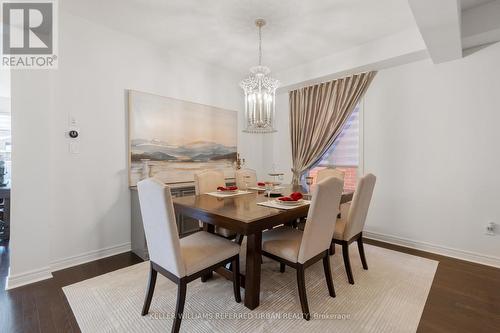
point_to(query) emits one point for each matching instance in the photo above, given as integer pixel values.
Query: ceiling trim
(394, 50)
(439, 23)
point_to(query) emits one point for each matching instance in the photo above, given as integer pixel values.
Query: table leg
(252, 273)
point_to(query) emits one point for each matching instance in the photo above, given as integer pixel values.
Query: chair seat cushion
(203, 249)
(283, 242)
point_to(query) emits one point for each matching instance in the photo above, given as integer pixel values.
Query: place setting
(227, 191)
(294, 200)
(274, 187)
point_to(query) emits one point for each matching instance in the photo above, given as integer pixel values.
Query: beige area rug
(389, 297)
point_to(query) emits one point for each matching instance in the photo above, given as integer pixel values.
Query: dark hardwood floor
(464, 297)
(42, 306)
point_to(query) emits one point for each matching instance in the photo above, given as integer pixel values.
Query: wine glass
(309, 182)
(246, 181)
(269, 188)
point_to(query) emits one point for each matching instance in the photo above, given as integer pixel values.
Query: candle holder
(240, 162)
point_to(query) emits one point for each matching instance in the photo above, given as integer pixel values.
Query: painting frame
(221, 156)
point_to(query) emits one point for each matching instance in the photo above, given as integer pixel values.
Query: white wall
(278, 150)
(72, 207)
(431, 136)
(31, 214)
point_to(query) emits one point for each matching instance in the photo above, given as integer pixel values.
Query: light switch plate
(74, 147)
(72, 122)
(490, 229)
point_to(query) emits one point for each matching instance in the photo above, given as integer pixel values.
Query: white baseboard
(14, 281)
(437, 249)
(44, 273)
(89, 256)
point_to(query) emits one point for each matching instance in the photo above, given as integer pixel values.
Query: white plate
(290, 203)
(259, 188)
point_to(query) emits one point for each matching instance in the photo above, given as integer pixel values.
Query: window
(344, 153)
(5, 135)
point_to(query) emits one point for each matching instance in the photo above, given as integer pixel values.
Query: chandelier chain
(260, 45)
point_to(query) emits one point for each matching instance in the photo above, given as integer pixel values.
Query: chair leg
(149, 293)
(235, 267)
(347, 262)
(179, 309)
(282, 267)
(328, 275)
(301, 282)
(206, 277)
(362, 252)
(238, 239)
(331, 250)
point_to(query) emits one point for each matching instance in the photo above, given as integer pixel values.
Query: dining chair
(207, 181)
(323, 174)
(330, 172)
(300, 249)
(179, 260)
(244, 177)
(349, 227)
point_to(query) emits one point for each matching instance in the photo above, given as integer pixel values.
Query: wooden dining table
(241, 214)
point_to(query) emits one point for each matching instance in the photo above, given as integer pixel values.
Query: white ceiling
(222, 32)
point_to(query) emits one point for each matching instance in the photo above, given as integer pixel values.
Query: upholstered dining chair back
(160, 227)
(241, 177)
(359, 206)
(319, 228)
(208, 181)
(330, 172)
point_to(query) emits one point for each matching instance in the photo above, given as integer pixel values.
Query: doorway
(5, 172)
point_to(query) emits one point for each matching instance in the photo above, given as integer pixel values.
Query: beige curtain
(317, 115)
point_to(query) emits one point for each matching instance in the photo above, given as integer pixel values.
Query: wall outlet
(490, 229)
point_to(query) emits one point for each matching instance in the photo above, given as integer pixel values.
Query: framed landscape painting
(171, 139)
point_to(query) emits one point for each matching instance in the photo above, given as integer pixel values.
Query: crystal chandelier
(260, 91)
